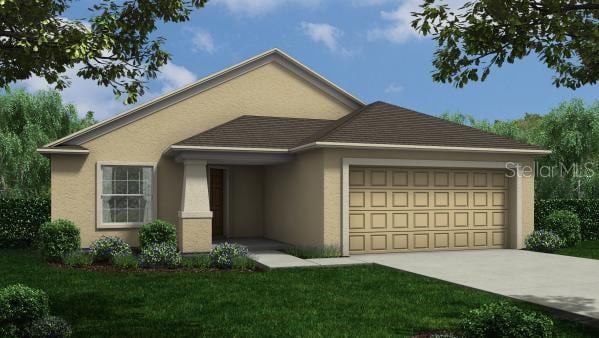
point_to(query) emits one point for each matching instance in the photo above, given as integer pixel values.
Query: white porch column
(195, 226)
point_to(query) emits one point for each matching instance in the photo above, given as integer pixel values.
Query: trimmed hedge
(586, 209)
(20, 219)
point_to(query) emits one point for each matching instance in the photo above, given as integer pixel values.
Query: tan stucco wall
(332, 182)
(246, 201)
(269, 90)
(293, 200)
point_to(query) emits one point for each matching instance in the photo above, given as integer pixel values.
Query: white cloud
(325, 34)
(259, 7)
(202, 41)
(400, 30)
(86, 95)
(393, 88)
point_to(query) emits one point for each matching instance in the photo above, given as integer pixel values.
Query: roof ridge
(319, 134)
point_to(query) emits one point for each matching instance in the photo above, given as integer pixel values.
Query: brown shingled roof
(376, 123)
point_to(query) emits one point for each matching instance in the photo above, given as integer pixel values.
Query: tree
(28, 121)
(486, 33)
(570, 131)
(114, 46)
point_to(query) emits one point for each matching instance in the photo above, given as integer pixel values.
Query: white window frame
(123, 225)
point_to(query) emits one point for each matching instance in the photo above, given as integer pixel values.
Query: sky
(366, 47)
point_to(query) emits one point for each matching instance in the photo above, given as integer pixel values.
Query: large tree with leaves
(28, 121)
(114, 45)
(483, 34)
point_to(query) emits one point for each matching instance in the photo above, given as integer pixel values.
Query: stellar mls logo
(560, 170)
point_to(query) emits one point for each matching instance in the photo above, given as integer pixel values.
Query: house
(269, 148)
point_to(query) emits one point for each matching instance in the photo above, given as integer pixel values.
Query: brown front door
(217, 205)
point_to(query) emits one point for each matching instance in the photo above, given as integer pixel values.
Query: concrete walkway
(272, 259)
(566, 283)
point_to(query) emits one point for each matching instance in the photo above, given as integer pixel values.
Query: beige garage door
(397, 209)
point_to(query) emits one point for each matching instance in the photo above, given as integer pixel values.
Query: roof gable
(272, 56)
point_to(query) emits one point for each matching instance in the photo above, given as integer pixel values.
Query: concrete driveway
(566, 283)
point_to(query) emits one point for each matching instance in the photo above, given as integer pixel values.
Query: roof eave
(52, 151)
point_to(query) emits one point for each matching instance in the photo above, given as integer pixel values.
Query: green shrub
(20, 219)
(586, 209)
(243, 263)
(19, 307)
(125, 261)
(196, 262)
(49, 326)
(505, 320)
(77, 259)
(544, 241)
(157, 232)
(308, 252)
(57, 238)
(565, 224)
(222, 255)
(160, 255)
(106, 247)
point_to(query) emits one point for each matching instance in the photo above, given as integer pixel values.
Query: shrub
(106, 247)
(307, 252)
(243, 263)
(586, 209)
(196, 262)
(544, 241)
(57, 238)
(157, 232)
(20, 219)
(160, 255)
(49, 326)
(77, 259)
(19, 307)
(505, 320)
(125, 261)
(565, 224)
(222, 255)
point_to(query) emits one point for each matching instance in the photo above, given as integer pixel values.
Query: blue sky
(364, 46)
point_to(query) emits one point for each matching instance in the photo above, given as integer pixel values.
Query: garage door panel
(400, 209)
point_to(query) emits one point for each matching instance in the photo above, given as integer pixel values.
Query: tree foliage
(570, 131)
(28, 121)
(486, 33)
(114, 46)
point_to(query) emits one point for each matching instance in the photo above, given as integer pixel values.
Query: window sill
(120, 225)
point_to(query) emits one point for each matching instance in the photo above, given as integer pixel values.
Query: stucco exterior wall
(246, 201)
(269, 90)
(293, 200)
(332, 207)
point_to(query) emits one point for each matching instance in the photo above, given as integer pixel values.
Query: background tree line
(570, 130)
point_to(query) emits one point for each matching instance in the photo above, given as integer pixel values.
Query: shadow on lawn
(569, 308)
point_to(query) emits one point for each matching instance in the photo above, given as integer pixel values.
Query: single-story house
(269, 148)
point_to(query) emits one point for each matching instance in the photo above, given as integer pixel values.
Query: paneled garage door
(411, 209)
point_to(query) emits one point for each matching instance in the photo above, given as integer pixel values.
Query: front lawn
(586, 249)
(356, 301)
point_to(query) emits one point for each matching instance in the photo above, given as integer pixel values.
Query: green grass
(308, 252)
(341, 301)
(586, 249)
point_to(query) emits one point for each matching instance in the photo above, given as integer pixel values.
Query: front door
(217, 193)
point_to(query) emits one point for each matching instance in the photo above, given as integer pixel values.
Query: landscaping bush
(106, 247)
(49, 326)
(222, 255)
(544, 241)
(19, 307)
(505, 320)
(77, 259)
(586, 209)
(125, 261)
(196, 262)
(160, 255)
(57, 238)
(157, 232)
(308, 252)
(243, 263)
(20, 219)
(565, 224)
